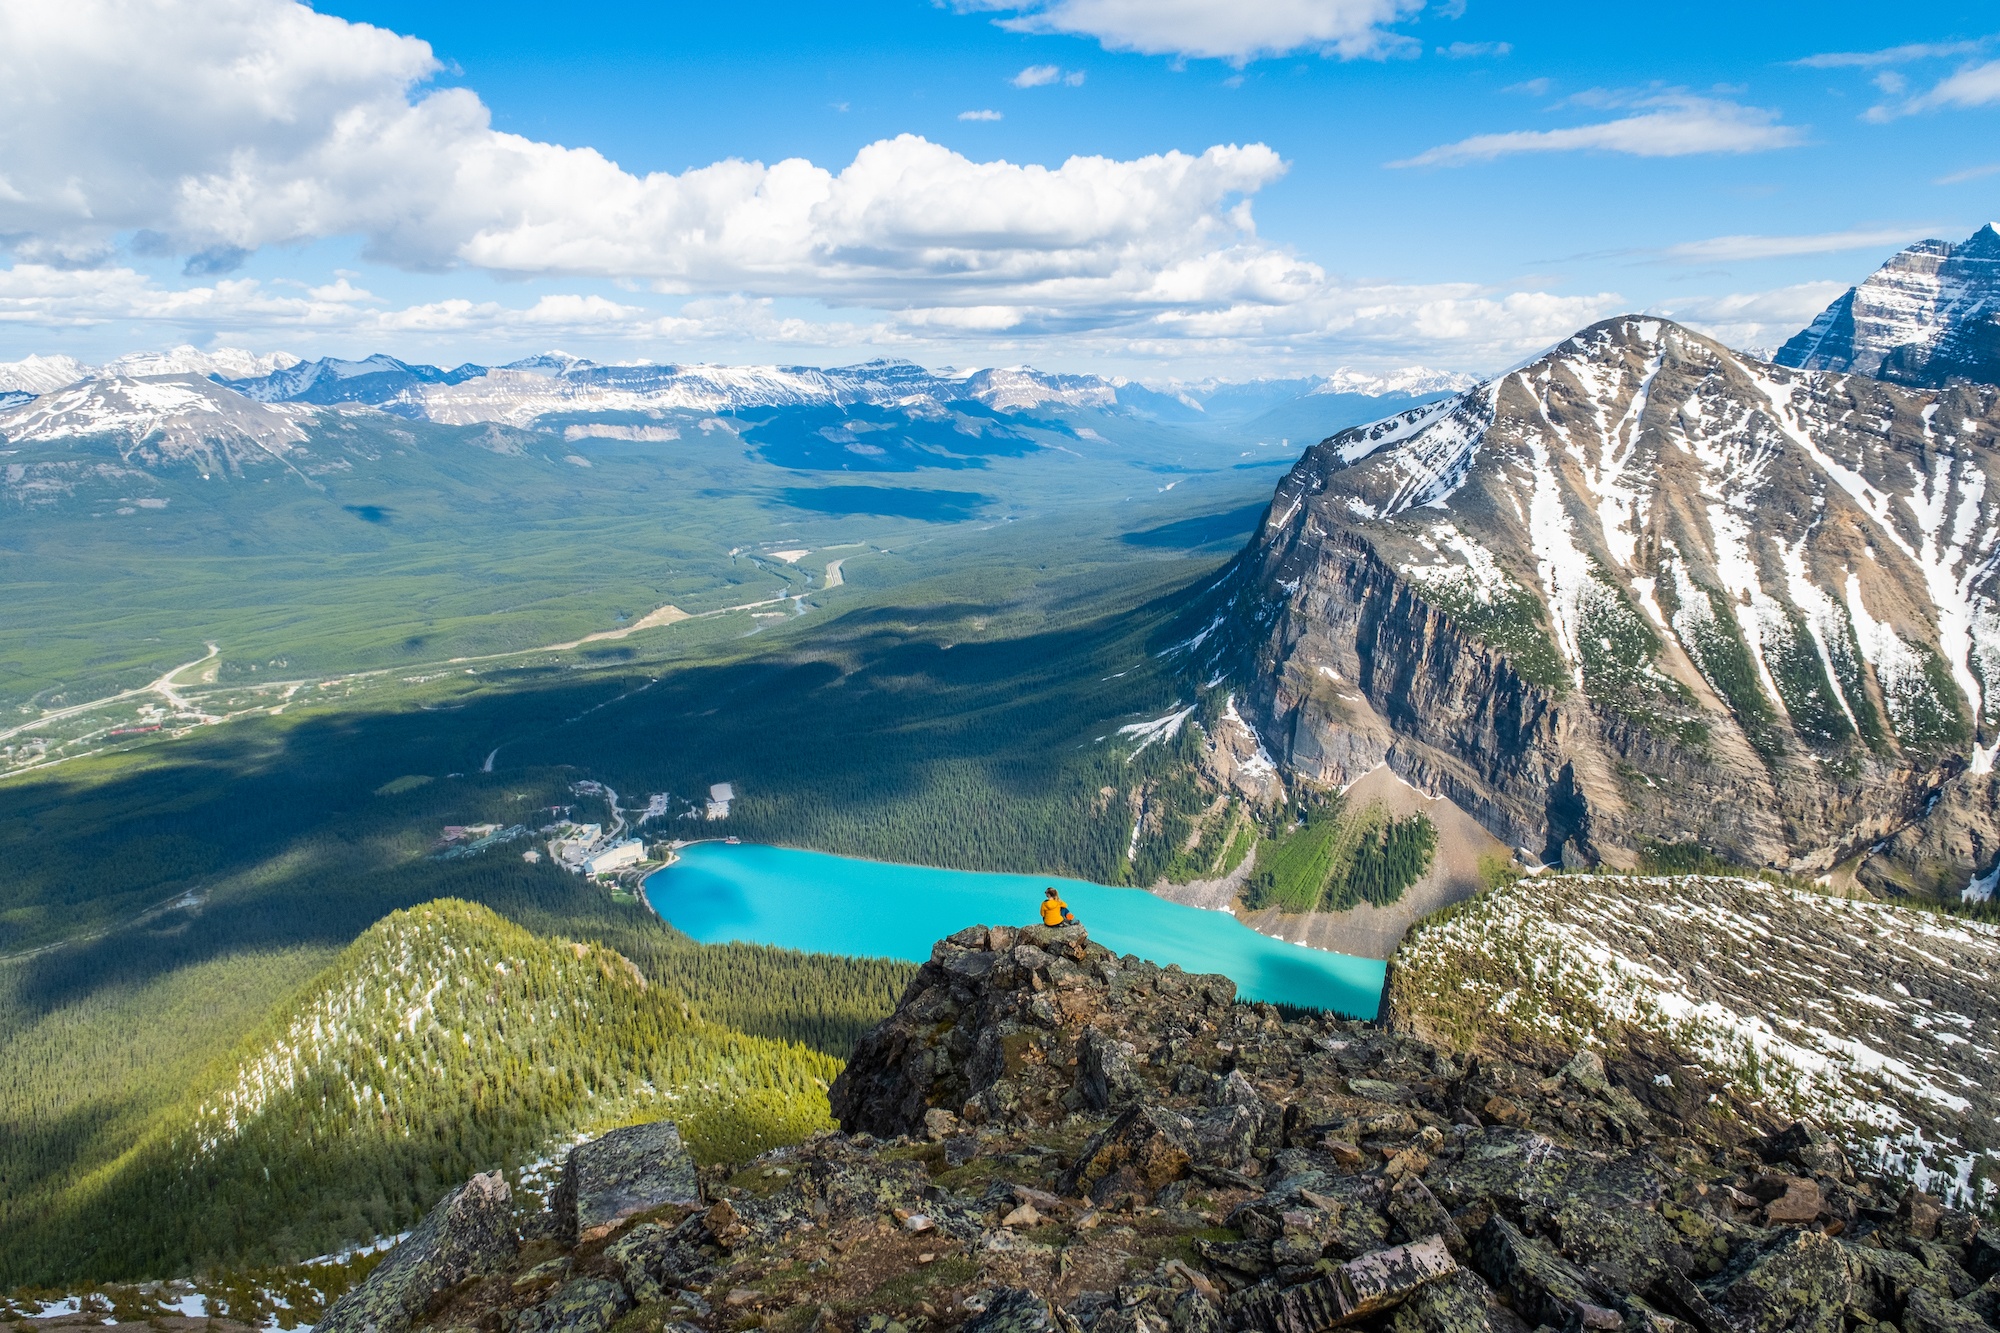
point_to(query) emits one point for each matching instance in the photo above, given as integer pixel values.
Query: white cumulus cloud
(208, 129)
(1670, 124)
(1251, 313)
(1235, 30)
(1757, 322)
(980, 115)
(211, 128)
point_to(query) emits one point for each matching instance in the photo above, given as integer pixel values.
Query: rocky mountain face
(1644, 589)
(1929, 315)
(1048, 1137)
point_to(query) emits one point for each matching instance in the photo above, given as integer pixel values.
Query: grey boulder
(627, 1172)
(470, 1233)
(587, 1305)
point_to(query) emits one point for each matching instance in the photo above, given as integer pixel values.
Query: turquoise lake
(838, 904)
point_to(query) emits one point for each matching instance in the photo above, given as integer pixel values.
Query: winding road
(164, 687)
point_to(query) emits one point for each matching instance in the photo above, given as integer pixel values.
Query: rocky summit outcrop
(1644, 589)
(1929, 315)
(1008, 1026)
(1065, 1141)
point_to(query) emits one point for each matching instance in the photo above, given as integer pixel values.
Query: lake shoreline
(824, 903)
(1364, 930)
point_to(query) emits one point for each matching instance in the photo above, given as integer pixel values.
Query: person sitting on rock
(1055, 912)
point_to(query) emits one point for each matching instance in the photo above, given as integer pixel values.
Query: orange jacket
(1053, 910)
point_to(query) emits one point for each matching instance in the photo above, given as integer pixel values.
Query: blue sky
(1150, 187)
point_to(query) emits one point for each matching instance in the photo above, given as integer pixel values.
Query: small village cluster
(589, 848)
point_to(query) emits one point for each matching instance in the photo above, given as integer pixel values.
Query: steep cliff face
(1929, 314)
(1644, 588)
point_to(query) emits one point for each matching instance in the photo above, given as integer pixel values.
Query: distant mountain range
(1929, 315)
(187, 395)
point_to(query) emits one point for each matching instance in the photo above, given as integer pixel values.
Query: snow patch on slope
(1478, 578)
(1952, 559)
(1159, 729)
(1797, 998)
(1560, 564)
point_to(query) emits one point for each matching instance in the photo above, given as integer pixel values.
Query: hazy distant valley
(360, 523)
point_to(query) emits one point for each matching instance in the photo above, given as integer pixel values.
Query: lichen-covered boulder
(1807, 1146)
(1106, 1080)
(1543, 1285)
(470, 1233)
(1458, 1303)
(1143, 1150)
(1983, 1255)
(1985, 1302)
(1370, 1285)
(627, 1172)
(1880, 1282)
(1796, 1285)
(1926, 1313)
(654, 1260)
(587, 1305)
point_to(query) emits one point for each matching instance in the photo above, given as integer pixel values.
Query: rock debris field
(1876, 1021)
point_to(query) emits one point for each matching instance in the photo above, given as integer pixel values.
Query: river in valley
(839, 904)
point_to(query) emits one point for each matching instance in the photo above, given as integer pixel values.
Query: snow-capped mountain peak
(1932, 313)
(1411, 380)
(1648, 588)
(44, 374)
(161, 419)
(229, 363)
(549, 363)
(39, 374)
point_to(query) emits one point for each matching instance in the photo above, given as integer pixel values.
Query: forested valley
(170, 913)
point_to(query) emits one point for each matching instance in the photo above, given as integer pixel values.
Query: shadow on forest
(884, 736)
(40, 1148)
(931, 506)
(1204, 530)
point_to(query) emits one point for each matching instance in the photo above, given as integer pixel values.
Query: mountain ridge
(1045, 1135)
(444, 1039)
(556, 383)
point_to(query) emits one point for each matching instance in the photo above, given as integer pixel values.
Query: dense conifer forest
(446, 1040)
